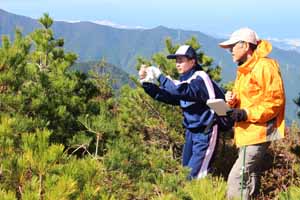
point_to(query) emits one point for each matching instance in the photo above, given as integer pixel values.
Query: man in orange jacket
(258, 105)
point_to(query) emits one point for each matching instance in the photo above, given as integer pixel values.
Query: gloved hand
(237, 114)
(155, 71)
(148, 79)
(146, 75)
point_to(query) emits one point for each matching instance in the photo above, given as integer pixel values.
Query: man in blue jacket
(191, 93)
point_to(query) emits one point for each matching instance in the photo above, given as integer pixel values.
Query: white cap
(243, 34)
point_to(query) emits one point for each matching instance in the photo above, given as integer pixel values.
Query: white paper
(218, 105)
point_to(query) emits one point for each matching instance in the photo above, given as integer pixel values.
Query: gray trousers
(254, 155)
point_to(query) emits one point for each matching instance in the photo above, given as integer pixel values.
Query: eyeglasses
(232, 46)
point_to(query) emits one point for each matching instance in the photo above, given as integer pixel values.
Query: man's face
(238, 52)
(183, 64)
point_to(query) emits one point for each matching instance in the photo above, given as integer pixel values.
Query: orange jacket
(260, 91)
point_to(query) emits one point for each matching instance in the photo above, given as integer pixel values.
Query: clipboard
(219, 106)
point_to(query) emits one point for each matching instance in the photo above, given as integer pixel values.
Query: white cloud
(294, 42)
(68, 21)
(106, 23)
(112, 24)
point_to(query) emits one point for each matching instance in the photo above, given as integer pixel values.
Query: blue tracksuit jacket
(190, 93)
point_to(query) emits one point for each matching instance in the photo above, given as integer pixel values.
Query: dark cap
(184, 50)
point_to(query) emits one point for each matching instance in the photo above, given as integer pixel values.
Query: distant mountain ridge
(121, 47)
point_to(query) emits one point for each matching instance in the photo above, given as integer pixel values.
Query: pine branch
(82, 146)
(152, 108)
(88, 128)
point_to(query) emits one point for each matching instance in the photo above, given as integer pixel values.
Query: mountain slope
(117, 76)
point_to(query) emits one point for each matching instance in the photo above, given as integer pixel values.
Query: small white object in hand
(150, 77)
(155, 71)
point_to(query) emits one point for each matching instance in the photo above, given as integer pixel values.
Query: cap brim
(227, 43)
(172, 56)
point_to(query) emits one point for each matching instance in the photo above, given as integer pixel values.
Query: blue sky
(270, 18)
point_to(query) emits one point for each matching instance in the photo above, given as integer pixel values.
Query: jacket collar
(189, 73)
(263, 49)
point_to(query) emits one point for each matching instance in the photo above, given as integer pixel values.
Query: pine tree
(41, 98)
(37, 82)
